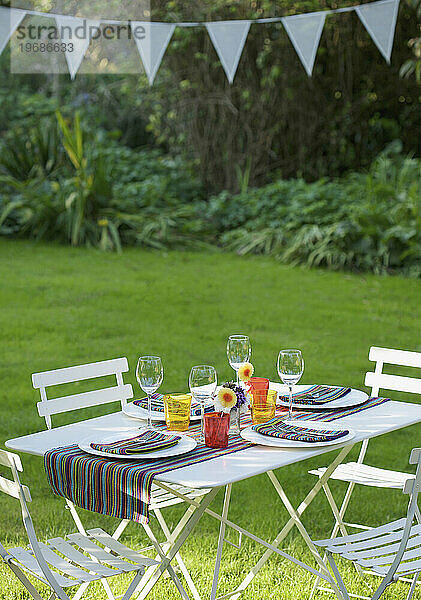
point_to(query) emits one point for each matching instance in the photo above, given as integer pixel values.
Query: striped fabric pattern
(148, 441)
(333, 414)
(119, 489)
(157, 405)
(123, 489)
(277, 428)
(317, 394)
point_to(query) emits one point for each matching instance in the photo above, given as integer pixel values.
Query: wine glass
(290, 369)
(202, 383)
(238, 351)
(149, 374)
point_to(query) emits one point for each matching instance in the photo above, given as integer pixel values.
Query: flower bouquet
(232, 398)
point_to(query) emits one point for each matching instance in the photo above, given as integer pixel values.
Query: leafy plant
(369, 222)
(104, 195)
(27, 154)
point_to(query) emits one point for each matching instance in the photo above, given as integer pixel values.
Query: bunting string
(228, 37)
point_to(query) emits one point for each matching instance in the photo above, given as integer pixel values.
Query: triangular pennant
(228, 38)
(305, 31)
(152, 40)
(379, 19)
(78, 32)
(9, 21)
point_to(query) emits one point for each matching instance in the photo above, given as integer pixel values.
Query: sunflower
(226, 399)
(245, 371)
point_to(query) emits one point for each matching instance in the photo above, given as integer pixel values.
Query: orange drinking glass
(263, 405)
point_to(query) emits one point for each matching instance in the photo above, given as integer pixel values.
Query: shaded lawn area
(63, 306)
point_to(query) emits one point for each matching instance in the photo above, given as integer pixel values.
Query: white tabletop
(232, 467)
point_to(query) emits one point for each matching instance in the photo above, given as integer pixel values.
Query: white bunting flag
(228, 38)
(76, 33)
(305, 31)
(152, 40)
(10, 19)
(379, 19)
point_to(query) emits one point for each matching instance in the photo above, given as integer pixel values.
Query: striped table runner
(123, 488)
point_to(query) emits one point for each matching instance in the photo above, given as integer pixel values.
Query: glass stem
(149, 411)
(237, 378)
(290, 403)
(202, 420)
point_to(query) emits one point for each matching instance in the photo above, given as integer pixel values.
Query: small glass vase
(235, 420)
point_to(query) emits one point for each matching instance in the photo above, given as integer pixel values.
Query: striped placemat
(157, 405)
(317, 395)
(147, 441)
(278, 428)
(123, 489)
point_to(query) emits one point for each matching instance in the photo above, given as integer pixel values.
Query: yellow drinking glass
(177, 411)
(263, 405)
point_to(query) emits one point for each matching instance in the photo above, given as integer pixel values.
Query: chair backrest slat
(51, 406)
(12, 489)
(80, 372)
(394, 382)
(395, 357)
(413, 484)
(83, 400)
(378, 380)
(9, 459)
(415, 456)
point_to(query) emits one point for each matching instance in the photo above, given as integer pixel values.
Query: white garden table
(227, 470)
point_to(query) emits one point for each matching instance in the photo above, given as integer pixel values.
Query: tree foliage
(273, 116)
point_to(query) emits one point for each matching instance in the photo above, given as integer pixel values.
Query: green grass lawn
(61, 306)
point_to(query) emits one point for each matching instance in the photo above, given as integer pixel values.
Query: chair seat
(362, 474)
(376, 549)
(105, 560)
(161, 498)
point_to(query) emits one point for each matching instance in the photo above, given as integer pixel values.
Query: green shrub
(27, 154)
(370, 222)
(86, 189)
(82, 187)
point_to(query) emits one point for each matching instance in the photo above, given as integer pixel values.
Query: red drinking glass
(259, 385)
(216, 429)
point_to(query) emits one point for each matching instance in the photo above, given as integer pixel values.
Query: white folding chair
(359, 473)
(47, 407)
(72, 560)
(391, 550)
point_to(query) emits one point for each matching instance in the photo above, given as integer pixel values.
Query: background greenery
(321, 171)
(316, 171)
(274, 121)
(65, 306)
(75, 185)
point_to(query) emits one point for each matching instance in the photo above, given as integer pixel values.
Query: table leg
(220, 541)
(179, 527)
(177, 539)
(295, 520)
(178, 558)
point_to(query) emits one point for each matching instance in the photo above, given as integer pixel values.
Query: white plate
(265, 440)
(185, 444)
(137, 412)
(353, 398)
